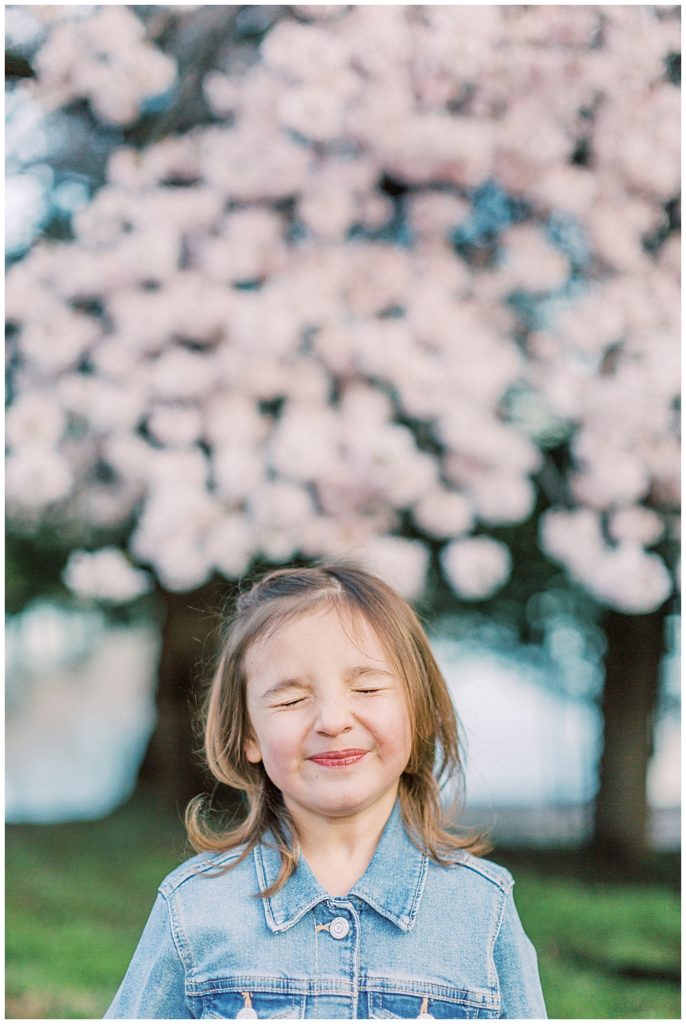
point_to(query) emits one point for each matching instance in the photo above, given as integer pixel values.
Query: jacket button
(339, 928)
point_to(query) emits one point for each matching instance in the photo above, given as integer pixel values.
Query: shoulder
(479, 867)
(202, 865)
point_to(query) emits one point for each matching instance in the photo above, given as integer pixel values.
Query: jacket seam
(178, 936)
(178, 877)
(498, 919)
(505, 884)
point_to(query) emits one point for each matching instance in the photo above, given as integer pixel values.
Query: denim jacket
(411, 939)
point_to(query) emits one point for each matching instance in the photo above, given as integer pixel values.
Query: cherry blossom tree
(391, 282)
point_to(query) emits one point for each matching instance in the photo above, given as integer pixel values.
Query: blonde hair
(286, 594)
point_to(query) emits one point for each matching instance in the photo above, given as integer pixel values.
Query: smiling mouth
(338, 758)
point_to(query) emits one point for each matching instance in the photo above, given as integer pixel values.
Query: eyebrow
(284, 684)
(289, 684)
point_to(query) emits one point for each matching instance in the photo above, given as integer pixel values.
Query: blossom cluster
(263, 369)
(102, 55)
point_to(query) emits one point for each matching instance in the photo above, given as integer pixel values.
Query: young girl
(342, 894)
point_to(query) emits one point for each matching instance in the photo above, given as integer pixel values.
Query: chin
(346, 803)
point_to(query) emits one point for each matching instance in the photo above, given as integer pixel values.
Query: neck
(346, 839)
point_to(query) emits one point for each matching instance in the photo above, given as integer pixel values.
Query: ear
(252, 750)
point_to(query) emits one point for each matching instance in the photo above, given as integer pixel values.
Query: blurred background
(398, 283)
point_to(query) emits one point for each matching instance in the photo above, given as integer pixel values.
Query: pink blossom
(57, 344)
(250, 246)
(105, 575)
(573, 537)
(638, 524)
(441, 98)
(501, 497)
(566, 187)
(105, 405)
(530, 261)
(34, 418)
(400, 562)
(105, 58)
(36, 477)
(443, 513)
(304, 52)
(229, 545)
(237, 470)
(175, 424)
(615, 476)
(280, 512)
(435, 146)
(312, 111)
(328, 214)
(304, 442)
(233, 419)
(178, 374)
(475, 566)
(434, 214)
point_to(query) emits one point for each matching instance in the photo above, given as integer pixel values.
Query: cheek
(393, 731)
(280, 747)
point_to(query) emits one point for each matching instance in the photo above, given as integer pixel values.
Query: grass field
(79, 894)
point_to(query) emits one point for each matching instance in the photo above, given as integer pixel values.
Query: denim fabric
(411, 939)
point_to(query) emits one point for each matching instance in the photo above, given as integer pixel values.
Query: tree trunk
(635, 646)
(171, 770)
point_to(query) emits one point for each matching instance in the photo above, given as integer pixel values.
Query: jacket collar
(392, 884)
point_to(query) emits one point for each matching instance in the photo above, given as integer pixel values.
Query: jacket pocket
(253, 1006)
(407, 1006)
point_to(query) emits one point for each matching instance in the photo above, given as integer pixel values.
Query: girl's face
(329, 716)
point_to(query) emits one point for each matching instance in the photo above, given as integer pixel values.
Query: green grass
(77, 898)
(79, 894)
(611, 950)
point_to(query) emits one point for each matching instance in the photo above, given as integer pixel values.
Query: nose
(334, 716)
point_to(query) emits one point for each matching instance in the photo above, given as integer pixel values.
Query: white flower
(179, 469)
(637, 523)
(105, 575)
(530, 261)
(329, 216)
(304, 442)
(630, 579)
(484, 439)
(573, 537)
(106, 58)
(179, 564)
(304, 52)
(400, 562)
(611, 476)
(37, 476)
(232, 419)
(129, 456)
(34, 418)
(108, 407)
(279, 513)
(312, 111)
(57, 342)
(175, 424)
(179, 374)
(501, 497)
(444, 513)
(476, 566)
(624, 577)
(229, 545)
(237, 470)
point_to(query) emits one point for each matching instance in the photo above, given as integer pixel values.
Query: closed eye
(290, 703)
(376, 690)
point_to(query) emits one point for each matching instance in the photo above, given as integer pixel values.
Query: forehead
(323, 631)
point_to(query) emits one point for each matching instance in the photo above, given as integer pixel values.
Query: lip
(338, 758)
